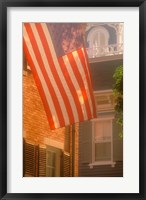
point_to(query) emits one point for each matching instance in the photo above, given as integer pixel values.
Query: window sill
(91, 165)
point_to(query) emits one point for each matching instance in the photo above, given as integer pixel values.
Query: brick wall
(36, 127)
(35, 124)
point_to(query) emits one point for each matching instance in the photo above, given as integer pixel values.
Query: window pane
(98, 130)
(103, 151)
(102, 39)
(50, 172)
(102, 130)
(51, 158)
(106, 129)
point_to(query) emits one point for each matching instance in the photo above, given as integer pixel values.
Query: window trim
(93, 162)
(105, 107)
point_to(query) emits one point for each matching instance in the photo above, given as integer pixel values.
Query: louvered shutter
(29, 159)
(66, 153)
(66, 164)
(67, 139)
(85, 142)
(117, 142)
(42, 161)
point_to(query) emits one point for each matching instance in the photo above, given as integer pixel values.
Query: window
(102, 140)
(53, 161)
(50, 168)
(97, 39)
(42, 160)
(102, 130)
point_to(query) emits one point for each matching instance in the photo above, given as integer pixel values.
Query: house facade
(100, 146)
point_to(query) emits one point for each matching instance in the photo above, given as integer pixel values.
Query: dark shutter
(29, 159)
(66, 164)
(66, 153)
(85, 141)
(67, 139)
(42, 161)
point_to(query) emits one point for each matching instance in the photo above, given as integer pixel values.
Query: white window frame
(93, 162)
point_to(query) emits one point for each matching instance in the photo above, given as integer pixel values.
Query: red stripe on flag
(42, 68)
(81, 83)
(72, 88)
(39, 86)
(55, 74)
(82, 59)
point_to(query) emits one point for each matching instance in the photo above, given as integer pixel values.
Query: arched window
(97, 39)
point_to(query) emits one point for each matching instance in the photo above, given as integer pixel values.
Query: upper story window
(104, 39)
(97, 39)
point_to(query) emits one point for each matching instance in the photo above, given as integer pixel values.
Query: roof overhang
(106, 58)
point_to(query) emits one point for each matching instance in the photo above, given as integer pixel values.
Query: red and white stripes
(64, 83)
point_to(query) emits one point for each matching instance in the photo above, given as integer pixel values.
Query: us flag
(57, 57)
